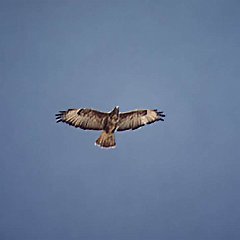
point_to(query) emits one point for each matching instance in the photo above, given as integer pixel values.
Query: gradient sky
(177, 179)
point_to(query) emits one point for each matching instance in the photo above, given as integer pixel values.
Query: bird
(108, 122)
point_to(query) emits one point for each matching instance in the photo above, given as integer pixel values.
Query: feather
(87, 119)
(138, 118)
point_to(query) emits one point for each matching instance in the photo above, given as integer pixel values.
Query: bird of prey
(108, 122)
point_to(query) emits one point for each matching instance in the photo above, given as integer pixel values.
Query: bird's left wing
(87, 119)
(138, 118)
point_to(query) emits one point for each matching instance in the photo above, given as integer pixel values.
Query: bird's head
(115, 111)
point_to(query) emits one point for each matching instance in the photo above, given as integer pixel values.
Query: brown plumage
(89, 119)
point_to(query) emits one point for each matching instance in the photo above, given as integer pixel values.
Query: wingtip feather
(161, 113)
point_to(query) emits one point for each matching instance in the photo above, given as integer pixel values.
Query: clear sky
(177, 179)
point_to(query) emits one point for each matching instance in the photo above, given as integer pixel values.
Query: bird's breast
(111, 125)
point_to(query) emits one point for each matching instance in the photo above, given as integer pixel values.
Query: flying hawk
(89, 119)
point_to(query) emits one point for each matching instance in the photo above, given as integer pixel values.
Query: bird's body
(111, 121)
(89, 119)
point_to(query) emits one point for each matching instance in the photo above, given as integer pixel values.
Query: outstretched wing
(83, 118)
(138, 118)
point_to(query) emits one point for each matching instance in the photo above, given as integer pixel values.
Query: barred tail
(106, 140)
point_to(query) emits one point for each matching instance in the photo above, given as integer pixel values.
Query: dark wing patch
(87, 119)
(138, 118)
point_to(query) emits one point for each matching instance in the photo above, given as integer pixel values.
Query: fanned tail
(106, 140)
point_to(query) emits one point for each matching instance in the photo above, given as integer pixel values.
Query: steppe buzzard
(89, 119)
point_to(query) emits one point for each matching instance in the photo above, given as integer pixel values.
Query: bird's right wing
(87, 119)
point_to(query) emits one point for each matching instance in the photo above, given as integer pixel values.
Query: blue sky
(177, 179)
